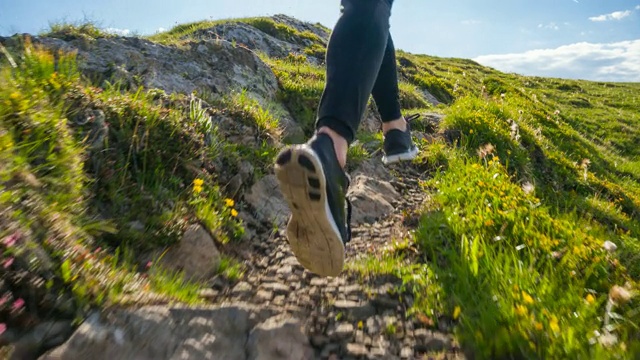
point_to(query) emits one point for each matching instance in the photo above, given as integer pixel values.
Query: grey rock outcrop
(278, 338)
(227, 332)
(267, 201)
(210, 66)
(196, 254)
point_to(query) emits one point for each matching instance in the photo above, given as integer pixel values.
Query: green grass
(301, 85)
(415, 278)
(231, 269)
(70, 192)
(540, 174)
(82, 30)
(520, 275)
(516, 230)
(185, 32)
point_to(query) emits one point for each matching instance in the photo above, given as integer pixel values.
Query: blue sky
(588, 39)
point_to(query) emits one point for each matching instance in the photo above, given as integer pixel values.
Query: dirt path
(277, 310)
(347, 316)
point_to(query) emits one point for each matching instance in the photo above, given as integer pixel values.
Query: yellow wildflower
(198, 182)
(14, 96)
(234, 212)
(229, 202)
(553, 324)
(197, 189)
(471, 131)
(456, 312)
(527, 298)
(521, 310)
(590, 299)
(538, 326)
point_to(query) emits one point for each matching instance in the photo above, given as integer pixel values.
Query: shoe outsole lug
(311, 232)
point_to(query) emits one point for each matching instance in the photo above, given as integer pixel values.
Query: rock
(278, 338)
(373, 326)
(371, 198)
(267, 201)
(245, 35)
(377, 353)
(355, 310)
(406, 353)
(319, 340)
(371, 122)
(242, 289)
(429, 97)
(318, 281)
(431, 341)
(264, 295)
(43, 337)
(385, 302)
(246, 170)
(329, 349)
(196, 254)
(356, 350)
(214, 66)
(160, 333)
(431, 122)
(277, 288)
(374, 168)
(344, 331)
(208, 294)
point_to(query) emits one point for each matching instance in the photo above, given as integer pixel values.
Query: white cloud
(637, 7)
(116, 31)
(161, 29)
(551, 26)
(600, 62)
(616, 15)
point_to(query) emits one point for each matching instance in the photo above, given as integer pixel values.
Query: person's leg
(354, 57)
(398, 145)
(385, 91)
(311, 175)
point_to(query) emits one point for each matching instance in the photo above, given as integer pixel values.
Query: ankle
(397, 124)
(340, 144)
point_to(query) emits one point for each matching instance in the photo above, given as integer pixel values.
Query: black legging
(361, 61)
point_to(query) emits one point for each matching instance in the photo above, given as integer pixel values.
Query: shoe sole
(312, 232)
(406, 156)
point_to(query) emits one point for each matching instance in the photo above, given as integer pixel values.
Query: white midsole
(409, 155)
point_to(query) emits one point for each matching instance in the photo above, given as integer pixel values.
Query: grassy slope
(511, 240)
(516, 233)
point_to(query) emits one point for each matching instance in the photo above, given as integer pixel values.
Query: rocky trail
(278, 310)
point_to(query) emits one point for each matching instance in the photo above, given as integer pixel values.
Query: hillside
(137, 193)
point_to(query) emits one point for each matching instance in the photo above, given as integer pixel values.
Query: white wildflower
(528, 188)
(608, 340)
(619, 295)
(610, 246)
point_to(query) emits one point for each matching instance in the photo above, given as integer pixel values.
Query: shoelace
(412, 117)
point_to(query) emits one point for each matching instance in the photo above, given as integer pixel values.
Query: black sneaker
(315, 186)
(398, 145)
